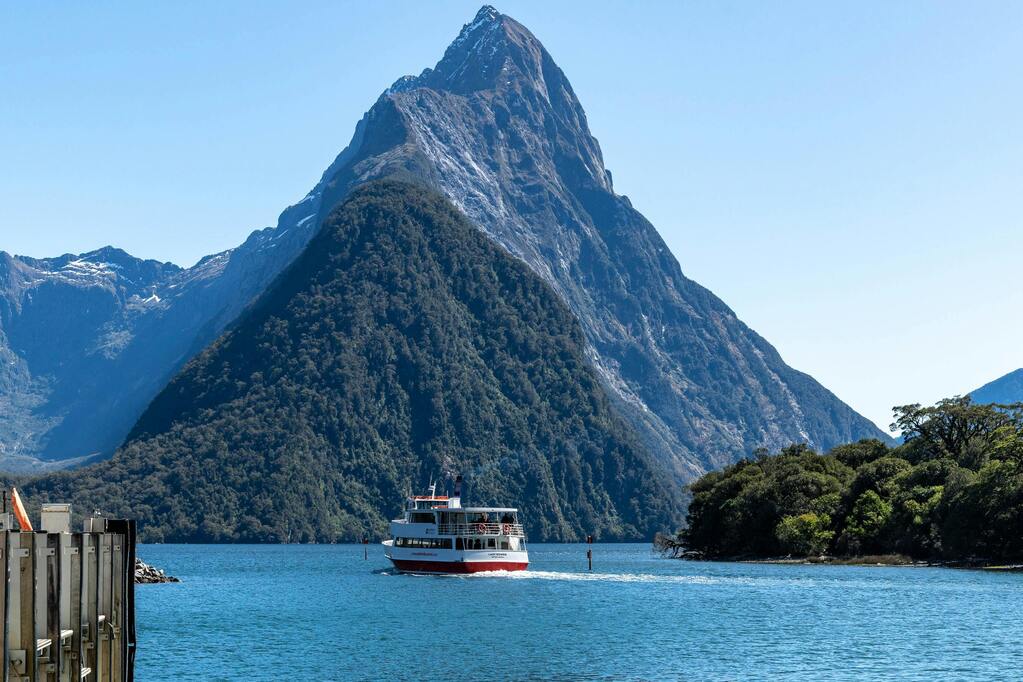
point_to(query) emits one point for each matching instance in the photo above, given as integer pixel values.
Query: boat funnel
(455, 501)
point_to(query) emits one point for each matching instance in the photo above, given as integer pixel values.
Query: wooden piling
(68, 601)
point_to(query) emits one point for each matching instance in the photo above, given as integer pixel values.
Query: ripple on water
(324, 613)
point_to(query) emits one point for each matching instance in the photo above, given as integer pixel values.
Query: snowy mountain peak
(487, 17)
(403, 84)
(486, 13)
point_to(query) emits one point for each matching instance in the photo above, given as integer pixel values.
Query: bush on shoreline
(952, 491)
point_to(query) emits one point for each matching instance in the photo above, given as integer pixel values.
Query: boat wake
(589, 577)
(755, 582)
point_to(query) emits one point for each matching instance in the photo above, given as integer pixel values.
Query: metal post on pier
(589, 551)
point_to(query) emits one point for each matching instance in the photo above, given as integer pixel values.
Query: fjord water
(322, 612)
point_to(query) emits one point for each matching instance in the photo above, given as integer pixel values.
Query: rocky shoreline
(150, 575)
(890, 560)
(867, 560)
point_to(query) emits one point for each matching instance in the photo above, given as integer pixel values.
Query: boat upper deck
(462, 521)
(444, 503)
(428, 515)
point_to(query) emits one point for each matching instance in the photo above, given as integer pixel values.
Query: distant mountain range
(88, 341)
(1004, 390)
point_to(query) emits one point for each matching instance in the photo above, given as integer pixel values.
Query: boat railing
(509, 529)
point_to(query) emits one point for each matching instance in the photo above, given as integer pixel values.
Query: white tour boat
(436, 534)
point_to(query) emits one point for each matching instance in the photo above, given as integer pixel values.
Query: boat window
(422, 517)
(424, 543)
(491, 544)
(458, 544)
(504, 544)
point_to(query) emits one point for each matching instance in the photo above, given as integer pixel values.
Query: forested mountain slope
(401, 345)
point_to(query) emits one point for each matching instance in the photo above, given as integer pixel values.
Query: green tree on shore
(805, 534)
(952, 490)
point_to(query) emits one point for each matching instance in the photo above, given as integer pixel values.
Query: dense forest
(952, 491)
(401, 345)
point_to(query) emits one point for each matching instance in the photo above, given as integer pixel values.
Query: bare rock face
(497, 128)
(148, 575)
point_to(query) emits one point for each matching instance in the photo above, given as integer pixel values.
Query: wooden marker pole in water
(589, 551)
(365, 548)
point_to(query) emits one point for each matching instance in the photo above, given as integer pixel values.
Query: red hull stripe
(457, 566)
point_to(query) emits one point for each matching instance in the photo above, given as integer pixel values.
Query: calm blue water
(323, 613)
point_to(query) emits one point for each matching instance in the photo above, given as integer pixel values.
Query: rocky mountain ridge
(496, 127)
(1004, 390)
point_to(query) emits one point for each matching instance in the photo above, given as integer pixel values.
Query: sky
(847, 176)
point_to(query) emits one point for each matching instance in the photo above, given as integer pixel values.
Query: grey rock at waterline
(146, 574)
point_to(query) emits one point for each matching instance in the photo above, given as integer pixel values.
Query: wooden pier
(68, 599)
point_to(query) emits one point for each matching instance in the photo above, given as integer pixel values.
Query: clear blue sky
(848, 176)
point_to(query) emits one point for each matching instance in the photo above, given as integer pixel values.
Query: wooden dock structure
(68, 599)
